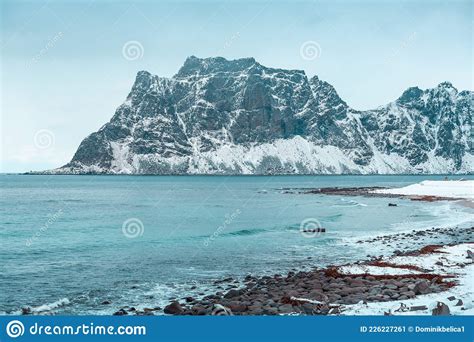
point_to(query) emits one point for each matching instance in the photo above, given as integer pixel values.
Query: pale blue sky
(63, 70)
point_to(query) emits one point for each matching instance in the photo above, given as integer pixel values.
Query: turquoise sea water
(68, 243)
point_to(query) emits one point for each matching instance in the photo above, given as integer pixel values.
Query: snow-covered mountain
(217, 116)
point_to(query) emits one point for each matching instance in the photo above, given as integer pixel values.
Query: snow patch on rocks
(462, 189)
(447, 260)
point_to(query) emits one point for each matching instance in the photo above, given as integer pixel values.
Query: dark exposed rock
(26, 311)
(418, 308)
(421, 287)
(121, 312)
(173, 308)
(441, 309)
(225, 280)
(237, 307)
(286, 308)
(233, 293)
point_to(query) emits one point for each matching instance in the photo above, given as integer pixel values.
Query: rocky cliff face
(238, 117)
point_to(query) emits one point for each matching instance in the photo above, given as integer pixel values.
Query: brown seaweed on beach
(437, 278)
(388, 264)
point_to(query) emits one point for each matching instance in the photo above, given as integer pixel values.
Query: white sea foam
(352, 203)
(50, 306)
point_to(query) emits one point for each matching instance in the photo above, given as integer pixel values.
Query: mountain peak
(446, 85)
(220, 116)
(198, 66)
(325, 92)
(143, 81)
(410, 95)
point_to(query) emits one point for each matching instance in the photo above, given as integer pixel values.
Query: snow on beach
(462, 189)
(445, 261)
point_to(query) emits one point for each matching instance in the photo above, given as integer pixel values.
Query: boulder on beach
(174, 308)
(470, 255)
(233, 293)
(441, 309)
(418, 308)
(26, 310)
(421, 287)
(121, 312)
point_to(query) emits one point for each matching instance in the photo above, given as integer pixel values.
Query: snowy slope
(238, 117)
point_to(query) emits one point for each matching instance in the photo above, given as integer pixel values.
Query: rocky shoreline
(332, 290)
(415, 264)
(369, 192)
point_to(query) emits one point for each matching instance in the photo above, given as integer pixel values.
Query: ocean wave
(245, 232)
(51, 306)
(437, 215)
(43, 309)
(351, 203)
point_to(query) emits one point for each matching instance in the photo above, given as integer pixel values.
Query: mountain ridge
(216, 116)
